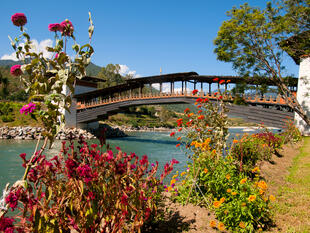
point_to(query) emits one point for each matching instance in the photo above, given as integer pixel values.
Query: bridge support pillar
(303, 96)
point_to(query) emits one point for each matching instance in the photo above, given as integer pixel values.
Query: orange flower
(229, 190)
(252, 198)
(234, 193)
(235, 141)
(243, 204)
(222, 199)
(217, 204)
(243, 180)
(213, 223)
(256, 169)
(215, 79)
(261, 192)
(205, 170)
(177, 145)
(179, 138)
(221, 82)
(200, 111)
(228, 176)
(183, 173)
(262, 184)
(180, 119)
(242, 225)
(173, 181)
(191, 114)
(221, 226)
(228, 81)
(272, 198)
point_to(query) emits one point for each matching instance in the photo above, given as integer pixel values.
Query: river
(158, 146)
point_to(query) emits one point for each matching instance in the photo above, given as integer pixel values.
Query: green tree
(111, 73)
(251, 40)
(4, 82)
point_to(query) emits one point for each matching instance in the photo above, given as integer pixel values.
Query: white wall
(303, 95)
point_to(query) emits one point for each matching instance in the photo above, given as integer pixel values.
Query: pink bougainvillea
(28, 108)
(19, 19)
(16, 70)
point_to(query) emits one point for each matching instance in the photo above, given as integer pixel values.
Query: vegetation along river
(158, 146)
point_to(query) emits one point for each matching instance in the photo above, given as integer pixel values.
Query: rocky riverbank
(31, 133)
(126, 128)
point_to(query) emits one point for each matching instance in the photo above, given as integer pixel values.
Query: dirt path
(289, 180)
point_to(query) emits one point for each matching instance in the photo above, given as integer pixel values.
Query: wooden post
(194, 85)
(182, 87)
(209, 88)
(160, 87)
(170, 87)
(140, 91)
(201, 88)
(185, 87)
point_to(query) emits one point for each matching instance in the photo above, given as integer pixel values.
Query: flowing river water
(158, 146)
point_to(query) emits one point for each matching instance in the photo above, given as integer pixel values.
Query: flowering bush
(213, 177)
(86, 190)
(291, 133)
(47, 79)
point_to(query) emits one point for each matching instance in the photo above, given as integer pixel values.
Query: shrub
(291, 133)
(226, 182)
(86, 190)
(7, 118)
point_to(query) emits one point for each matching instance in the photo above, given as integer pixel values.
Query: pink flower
(12, 198)
(91, 195)
(19, 19)
(16, 70)
(55, 27)
(67, 28)
(124, 199)
(28, 108)
(85, 172)
(6, 224)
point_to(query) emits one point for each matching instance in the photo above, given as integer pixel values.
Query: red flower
(177, 145)
(172, 134)
(6, 224)
(220, 97)
(222, 81)
(201, 117)
(195, 92)
(19, 19)
(179, 138)
(215, 79)
(215, 93)
(16, 70)
(67, 28)
(124, 199)
(199, 111)
(55, 27)
(180, 129)
(91, 195)
(187, 110)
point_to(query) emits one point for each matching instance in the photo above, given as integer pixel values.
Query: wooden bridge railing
(99, 101)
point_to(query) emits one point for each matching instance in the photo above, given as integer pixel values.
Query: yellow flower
(252, 198)
(213, 151)
(172, 181)
(243, 180)
(213, 223)
(262, 184)
(205, 170)
(235, 141)
(229, 190)
(183, 173)
(183, 182)
(175, 176)
(217, 204)
(256, 169)
(243, 204)
(221, 226)
(261, 192)
(228, 176)
(197, 145)
(222, 199)
(193, 143)
(272, 198)
(233, 193)
(242, 225)
(169, 188)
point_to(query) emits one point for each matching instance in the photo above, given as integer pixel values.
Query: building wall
(70, 117)
(303, 95)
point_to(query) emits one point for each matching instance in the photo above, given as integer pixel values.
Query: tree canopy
(251, 40)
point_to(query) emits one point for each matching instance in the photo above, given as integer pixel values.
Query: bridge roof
(177, 77)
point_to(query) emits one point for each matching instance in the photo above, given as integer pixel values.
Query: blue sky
(144, 35)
